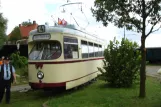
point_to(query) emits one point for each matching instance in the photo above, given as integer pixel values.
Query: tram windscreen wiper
(40, 53)
(52, 54)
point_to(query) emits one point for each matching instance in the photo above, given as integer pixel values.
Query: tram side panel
(73, 74)
(86, 71)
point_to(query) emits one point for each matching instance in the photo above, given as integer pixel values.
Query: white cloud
(17, 11)
(153, 40)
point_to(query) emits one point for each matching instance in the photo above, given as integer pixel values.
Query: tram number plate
(41, 37)
(41, 28)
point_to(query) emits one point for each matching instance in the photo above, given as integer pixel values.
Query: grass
(20, 80)
(94, 95)
(27, 99)
(100, 95)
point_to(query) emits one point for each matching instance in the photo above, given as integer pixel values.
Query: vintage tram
(63, 56)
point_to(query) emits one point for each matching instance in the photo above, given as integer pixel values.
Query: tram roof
(69, 29)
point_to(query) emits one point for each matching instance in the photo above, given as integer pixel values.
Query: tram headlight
(40, 75)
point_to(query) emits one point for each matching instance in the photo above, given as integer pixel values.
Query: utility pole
(124, 32)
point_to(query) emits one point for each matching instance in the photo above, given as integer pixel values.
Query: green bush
(121, 64)
(20, 62)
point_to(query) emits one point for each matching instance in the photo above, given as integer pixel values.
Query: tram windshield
(45, 50)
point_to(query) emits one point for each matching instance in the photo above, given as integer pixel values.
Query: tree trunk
(142, 69)
(142, 93)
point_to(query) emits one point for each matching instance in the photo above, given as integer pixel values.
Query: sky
(17, 11)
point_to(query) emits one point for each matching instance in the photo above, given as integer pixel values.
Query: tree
(25, 23)
(3, 27)
(15, 34)
(134, 15)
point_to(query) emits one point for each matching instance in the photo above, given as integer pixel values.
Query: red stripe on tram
(63, 62)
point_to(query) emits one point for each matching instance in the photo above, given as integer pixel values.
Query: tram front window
(45, 51)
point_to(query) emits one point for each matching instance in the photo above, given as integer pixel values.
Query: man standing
(7, 76)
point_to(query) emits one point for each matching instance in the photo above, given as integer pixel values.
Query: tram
(62, 57)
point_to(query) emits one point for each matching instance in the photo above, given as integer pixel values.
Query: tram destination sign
(41, 37)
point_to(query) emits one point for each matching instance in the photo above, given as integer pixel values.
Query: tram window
(70, 40)
(103, 51)
(100, 50)
(70, 48)
(96, 50)
(84, 47)
(91, 49)
(45, 51)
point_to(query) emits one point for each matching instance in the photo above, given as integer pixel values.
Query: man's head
(6, 60)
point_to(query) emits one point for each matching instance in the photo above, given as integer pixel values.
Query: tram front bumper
(46, 85)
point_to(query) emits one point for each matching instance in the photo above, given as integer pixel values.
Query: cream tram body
(62, 57)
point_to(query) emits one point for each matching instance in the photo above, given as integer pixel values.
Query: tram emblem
(37, 65)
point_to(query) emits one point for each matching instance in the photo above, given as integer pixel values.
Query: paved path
(20, 88)
(152, 70)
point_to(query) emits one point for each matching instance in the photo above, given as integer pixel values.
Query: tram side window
(70, 48)
(100, 49)
(91, 49)
(84, 47)
(96, 50)
(103, 50)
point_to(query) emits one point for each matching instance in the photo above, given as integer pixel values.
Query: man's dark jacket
(2, 73)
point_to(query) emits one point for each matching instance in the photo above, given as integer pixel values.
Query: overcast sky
(17, 11)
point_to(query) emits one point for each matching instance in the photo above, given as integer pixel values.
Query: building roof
(9, 35)
(26, 29)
